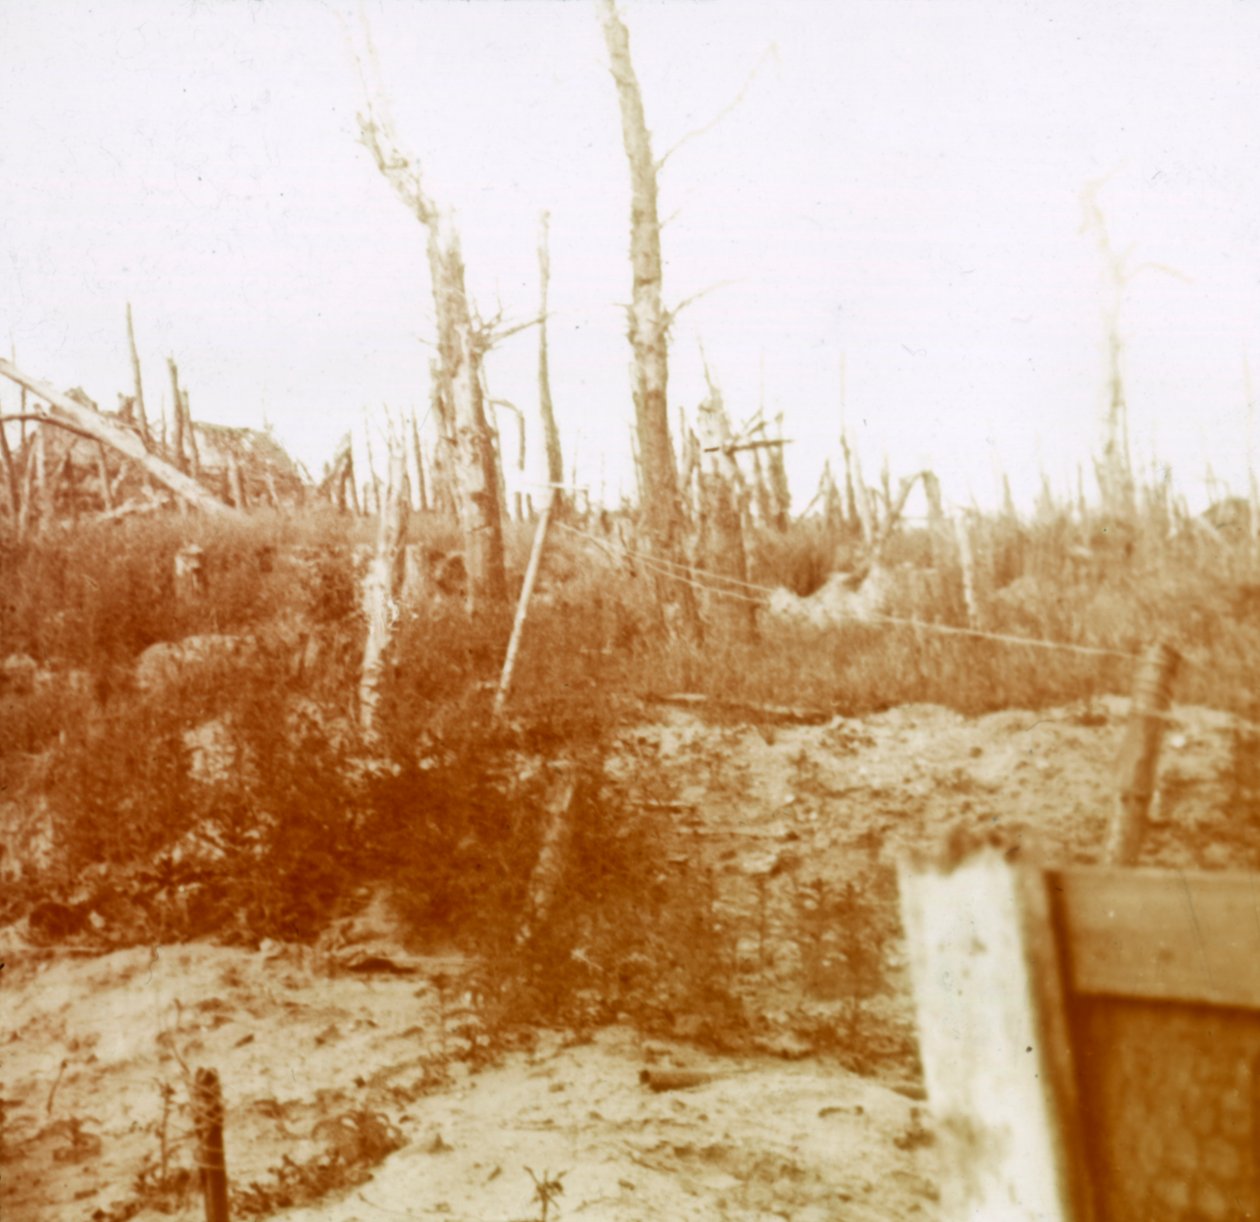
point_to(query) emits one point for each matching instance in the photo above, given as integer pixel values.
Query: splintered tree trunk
(422, 491)
(551, 434)
(721, 521)
(779, 480)
(190, 432)
(444, 499)
(648, 319)
(458, 399)
(178, 408)
(473, 452)
(135, 373)
(381, 586)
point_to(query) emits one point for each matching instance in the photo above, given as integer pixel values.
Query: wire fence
(724, 586)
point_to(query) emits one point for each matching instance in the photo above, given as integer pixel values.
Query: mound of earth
(360, 1083)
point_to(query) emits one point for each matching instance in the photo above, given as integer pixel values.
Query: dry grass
(271, 821)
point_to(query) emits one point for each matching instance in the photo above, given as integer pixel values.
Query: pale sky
(899, 187)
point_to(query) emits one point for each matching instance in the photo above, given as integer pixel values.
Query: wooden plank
(1162, 934)
(993, 1041)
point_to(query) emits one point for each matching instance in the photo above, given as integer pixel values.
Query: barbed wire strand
(689, 575)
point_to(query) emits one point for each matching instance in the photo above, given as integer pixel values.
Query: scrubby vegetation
(229, 793)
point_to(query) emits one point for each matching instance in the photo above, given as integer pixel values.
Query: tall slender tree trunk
(189, 432)
(551, 434)
(721, 497)
(138, 394)
(382, 584)
(459, 397)
(180, 460)
(422, 490)
(648, 319)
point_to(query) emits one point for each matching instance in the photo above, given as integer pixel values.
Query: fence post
(208, 1116)
(1139, 752)
(522, 606)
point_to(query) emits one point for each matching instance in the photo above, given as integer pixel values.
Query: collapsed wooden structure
(75, 459)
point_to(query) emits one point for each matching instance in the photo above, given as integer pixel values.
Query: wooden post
(522, 605)
(208, 1116)
(102, 470)
(1138, 760)
(965, 557)
(552, 853)
(190, 573)
(381, 585)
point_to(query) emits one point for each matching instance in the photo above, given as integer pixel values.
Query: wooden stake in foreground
(522, 605)
(1139, 753)
(208, 1116)
(381, 583)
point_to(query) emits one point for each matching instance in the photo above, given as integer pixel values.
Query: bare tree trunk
(551, 434)
(1113, 468)
(11, 474)
(474, 459)
(444, 498)
(721, 520)
(460, 398)
(178, 420)
(381, 586)
(649, 321)
(102, 428)
(421, 488)
(135, 373)
(833, 509)
(374, 480)
(190, 432)
(779, 481)
(765, 500)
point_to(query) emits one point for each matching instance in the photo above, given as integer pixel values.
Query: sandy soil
(328, 1067)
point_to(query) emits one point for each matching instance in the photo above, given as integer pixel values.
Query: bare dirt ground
(329, 1058)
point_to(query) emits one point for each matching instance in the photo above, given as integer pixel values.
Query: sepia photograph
(630, 611)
